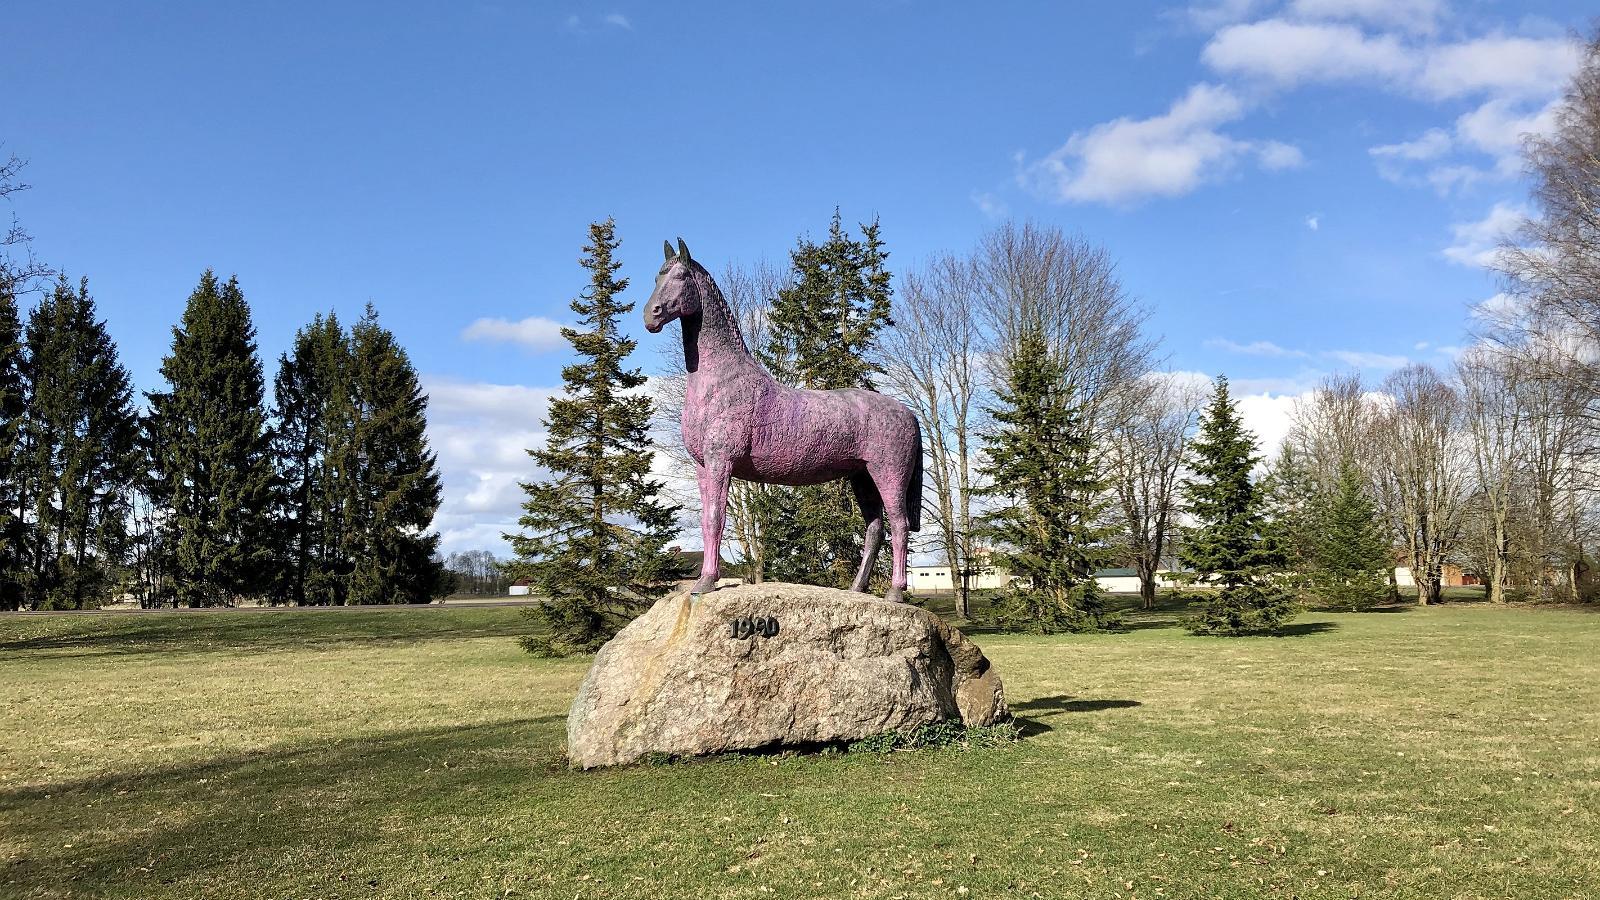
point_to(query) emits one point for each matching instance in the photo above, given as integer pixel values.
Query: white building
(937, 578)
(1126, 581)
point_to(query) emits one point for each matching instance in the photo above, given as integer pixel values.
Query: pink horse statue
(739, 423)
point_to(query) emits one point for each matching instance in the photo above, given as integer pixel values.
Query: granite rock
(775, 665)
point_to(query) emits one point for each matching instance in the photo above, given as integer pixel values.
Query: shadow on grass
(1027, 728)
(160, 633)
(1303, 629)
(1061, 703)
(215, 817)
(1149, 622)
(1031, 713)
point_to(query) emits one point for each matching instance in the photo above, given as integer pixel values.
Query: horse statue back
(740, 423)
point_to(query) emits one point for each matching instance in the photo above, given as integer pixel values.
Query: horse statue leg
(713, 478)
(872, 513)
(892, 490)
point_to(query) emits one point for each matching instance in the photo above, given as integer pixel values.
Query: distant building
(937, 578)
(1451, 575)
(988, 578)
(520, 588)
(1126, 581)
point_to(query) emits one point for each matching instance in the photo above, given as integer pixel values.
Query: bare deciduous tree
(1145, 463)
(1331, 425)
(1555, 470)
(20, 270)
(1422, 464)
(1553, 268)
(932, 359)
(1494, 421)
(1031, 275)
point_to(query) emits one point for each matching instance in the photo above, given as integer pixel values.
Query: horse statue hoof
(895, 595)
(704, 586)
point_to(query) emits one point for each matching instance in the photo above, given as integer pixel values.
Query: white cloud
(1314, 222)
(1434, 143)
(618, 20)
(1520, 103)
(1477, 243)
(1266, 405)
(1269, 416)
(1499, 66)
(481, 433)
(1254, 348)
(1399, 162)
(1126, 160)
(990, 205)
(1361, 359)
(1289, 53)
(1499, 127)
(535, 332)
(1303, 380)
(1499, 309)
(1410, 15)
(1217, 13)
(1276, 155)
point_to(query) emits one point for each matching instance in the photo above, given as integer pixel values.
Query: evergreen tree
(823, 334)
(13, 526)
(210, 452)
(594, 530)
(311, 439)
(1352, 563)
(389, 477)
(1040, 464)
(79, 455)
(1228, 548)
(1293, 506)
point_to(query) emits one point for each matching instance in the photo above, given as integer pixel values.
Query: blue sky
(1293, 187)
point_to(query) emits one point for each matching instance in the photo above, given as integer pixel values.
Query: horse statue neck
(712, 338)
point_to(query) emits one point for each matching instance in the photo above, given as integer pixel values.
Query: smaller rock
(775, 665)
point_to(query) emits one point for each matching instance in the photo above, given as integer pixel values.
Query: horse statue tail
(914, 489)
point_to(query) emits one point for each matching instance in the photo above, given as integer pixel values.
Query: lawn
(1442, 752)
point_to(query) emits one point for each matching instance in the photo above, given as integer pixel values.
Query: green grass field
(1443, 752)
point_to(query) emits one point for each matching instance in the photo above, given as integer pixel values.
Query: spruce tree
(391, 490)
(594, 528)
(13, 525)
(210, 453)
(823, 334)
(1228, 548)
(311, 438)
(1040, 463)
(1352, 563)
(79, 455)
(1293, 505)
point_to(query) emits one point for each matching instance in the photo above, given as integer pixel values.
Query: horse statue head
(676, 294)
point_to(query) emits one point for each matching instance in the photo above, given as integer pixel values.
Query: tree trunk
(1147, 589)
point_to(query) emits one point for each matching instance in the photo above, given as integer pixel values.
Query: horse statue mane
(738, 422)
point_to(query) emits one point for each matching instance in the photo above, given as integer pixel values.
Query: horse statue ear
(683, 251)
(667, 246)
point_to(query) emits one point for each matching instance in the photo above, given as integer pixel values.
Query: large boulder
(775, 665)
